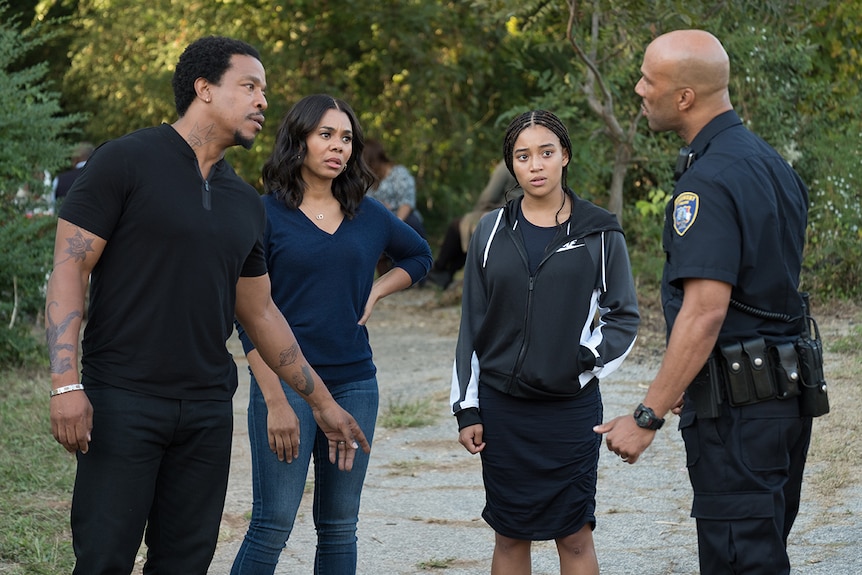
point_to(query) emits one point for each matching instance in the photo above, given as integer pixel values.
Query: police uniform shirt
(738, 215)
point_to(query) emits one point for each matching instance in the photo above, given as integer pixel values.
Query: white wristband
(66, 389)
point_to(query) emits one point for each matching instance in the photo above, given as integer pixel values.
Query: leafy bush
(644, 222)
(24, 267)
(34, 144)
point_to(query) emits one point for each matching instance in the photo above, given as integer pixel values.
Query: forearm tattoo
(200, 136)
(303, 383)
(79, 246)
(288, 356)
(52, 334)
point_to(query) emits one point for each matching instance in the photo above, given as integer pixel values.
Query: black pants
(154, 462)
(451, 258)
(746, 471)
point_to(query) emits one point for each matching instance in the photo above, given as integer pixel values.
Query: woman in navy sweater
(323, 238)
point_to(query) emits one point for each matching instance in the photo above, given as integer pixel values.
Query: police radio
(683, 162)
(813, 401)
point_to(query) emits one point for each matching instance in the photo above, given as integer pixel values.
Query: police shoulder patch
(685, 208)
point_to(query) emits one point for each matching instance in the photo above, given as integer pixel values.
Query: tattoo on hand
(79, 246)
(52, 334)
(200, 136)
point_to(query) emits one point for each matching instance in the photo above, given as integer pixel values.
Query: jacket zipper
(522, 352)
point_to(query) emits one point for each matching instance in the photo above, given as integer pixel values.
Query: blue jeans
(278, 485)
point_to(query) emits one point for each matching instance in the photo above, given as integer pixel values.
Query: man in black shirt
(171, 238)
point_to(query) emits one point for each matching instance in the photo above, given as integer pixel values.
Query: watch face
(645, 419)
(642, 417)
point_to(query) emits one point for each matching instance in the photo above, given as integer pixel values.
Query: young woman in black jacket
(548, 309)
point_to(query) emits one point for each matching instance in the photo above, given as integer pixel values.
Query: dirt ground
(423, 493)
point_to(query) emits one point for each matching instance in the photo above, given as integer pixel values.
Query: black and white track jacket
(550, 334)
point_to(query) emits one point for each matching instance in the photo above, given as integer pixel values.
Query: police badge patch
(684, 212)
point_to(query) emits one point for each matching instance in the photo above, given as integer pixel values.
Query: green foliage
(833, 263)
(24, 268)
(438, 80)
(644, 224)
(31, 122)
(428, 78)
(28, 265)
(829, 154)
(33, 130)
(21, 346)
(36, 475)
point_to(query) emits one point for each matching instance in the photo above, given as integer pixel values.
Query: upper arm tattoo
(79, 246)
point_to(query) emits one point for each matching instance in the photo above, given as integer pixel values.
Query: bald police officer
(734, 235)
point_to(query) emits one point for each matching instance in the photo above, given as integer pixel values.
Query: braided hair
(535, 118)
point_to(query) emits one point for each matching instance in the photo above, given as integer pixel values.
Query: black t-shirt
(536, 241)
(163, 293)
(738, 215)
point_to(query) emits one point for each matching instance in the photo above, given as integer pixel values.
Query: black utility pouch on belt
(785, 369)
(747, 372)
(814, 401)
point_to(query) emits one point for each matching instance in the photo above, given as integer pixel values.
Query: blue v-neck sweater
(321, 281)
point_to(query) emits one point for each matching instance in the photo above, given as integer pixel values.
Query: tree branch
(605, 109)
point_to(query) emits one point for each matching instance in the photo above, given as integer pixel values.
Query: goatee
(243, 141)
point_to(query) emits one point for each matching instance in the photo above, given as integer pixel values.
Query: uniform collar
(697, 148)
(718, 124)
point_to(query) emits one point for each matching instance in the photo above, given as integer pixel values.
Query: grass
(401, 414)
(37, 476)
(847, 344)
(435, 564)
(835, 441)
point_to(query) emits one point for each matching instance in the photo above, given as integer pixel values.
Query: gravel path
(423, 495)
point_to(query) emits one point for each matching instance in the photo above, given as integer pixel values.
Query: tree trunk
(622, 157)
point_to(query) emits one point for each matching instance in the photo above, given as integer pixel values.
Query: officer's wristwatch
(646, 418)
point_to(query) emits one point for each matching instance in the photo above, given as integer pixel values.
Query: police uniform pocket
(690, 436)
(763, 444)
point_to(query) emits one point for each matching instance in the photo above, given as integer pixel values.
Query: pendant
(319, 216)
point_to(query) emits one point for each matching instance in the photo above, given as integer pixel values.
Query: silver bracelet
(66, 389)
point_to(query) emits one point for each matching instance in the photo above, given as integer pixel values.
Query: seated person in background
(64, 180)
(453, 251)
(395, 189)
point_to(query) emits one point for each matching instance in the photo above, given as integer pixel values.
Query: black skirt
(540, 463)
